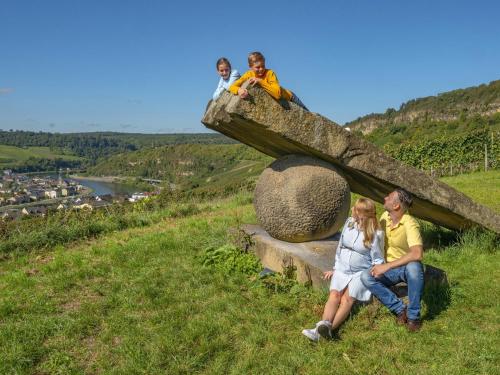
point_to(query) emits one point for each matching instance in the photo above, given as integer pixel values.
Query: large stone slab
(278, 129)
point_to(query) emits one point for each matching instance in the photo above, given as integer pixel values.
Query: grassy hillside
(15, 157)
(140, 301)
(483, 187)
(201, 168)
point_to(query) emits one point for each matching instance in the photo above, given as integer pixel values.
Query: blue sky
(149, 66)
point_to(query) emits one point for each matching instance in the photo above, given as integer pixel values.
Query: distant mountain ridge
(482, 100)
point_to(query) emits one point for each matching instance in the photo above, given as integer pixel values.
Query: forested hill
(481, 101)
(109, 142)
(95, 145)
(192, 167)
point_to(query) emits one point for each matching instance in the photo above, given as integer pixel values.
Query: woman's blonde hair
(365, 208)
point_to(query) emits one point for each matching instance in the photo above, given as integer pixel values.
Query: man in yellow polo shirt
(404, 251)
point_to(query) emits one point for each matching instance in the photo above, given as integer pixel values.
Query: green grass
(230, 180)
(10, 155)
(483, 187)
(139, 301)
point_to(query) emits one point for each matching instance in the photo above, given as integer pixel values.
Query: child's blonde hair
(366, 208)
(254, 57)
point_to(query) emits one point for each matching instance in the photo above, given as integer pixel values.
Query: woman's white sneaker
(311, 334)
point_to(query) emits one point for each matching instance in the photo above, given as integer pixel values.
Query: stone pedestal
(310, 259)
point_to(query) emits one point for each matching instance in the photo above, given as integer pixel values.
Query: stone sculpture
(282, 128)
(299, 198)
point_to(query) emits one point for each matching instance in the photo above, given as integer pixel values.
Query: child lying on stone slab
(266, 78)
(227, 76)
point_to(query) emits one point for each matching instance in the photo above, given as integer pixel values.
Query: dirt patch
(83, 296)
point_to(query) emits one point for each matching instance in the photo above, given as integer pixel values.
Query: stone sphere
(300, 198)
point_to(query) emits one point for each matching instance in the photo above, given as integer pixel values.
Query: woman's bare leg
(344, 309)
(332, 305)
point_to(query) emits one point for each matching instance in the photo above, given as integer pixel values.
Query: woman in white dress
(360, 247)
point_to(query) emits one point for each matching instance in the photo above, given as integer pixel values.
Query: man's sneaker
(311, 334)
(401, 318)
(324, 328)
(414, 325)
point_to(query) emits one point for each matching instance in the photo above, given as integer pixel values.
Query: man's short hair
(405, 198)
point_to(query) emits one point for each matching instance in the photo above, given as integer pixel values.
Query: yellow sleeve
(237, 84)
(271, 85)
(413, 236)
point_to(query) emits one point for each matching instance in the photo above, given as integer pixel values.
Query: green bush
(229, 259)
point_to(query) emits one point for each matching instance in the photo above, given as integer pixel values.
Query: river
(98, 187)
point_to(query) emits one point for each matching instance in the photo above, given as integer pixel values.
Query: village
(23, 196)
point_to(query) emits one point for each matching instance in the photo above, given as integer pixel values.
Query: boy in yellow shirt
(266, 78)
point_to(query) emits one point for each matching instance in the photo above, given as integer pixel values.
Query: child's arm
(236, 89)
(233, 77)
(219, 90)
(270, 83)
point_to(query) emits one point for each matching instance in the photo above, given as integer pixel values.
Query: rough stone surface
(280, 129)
(310, 259)
(299, 198)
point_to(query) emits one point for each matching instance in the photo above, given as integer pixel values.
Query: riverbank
(52, 172)
(109, 179)
(129, 184)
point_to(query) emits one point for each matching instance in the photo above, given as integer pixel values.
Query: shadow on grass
(437, 292)
(437, 298)
(436, 237)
